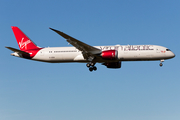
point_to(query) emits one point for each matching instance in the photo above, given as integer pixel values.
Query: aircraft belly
(59, 57)
(138, 56)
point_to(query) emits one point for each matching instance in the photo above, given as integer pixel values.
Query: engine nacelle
(110, 54)
(113, 64)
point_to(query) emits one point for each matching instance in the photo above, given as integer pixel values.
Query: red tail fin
(23, 41)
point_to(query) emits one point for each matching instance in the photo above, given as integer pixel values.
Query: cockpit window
(168, 50)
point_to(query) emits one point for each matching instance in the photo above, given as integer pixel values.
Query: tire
(160, 64)
(90, 69)
(94, 68)
(88, 65)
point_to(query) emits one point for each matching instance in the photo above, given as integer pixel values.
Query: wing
(89, 52)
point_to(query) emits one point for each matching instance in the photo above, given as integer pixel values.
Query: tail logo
(23, 44)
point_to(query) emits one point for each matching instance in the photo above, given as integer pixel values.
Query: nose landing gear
(161, 63)
(91, 66)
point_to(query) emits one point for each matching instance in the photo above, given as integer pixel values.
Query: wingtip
(54, 30)
(51, 28)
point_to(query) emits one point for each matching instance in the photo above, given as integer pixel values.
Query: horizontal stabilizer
(17, 51)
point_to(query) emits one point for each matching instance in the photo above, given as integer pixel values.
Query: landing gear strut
(91, 66)
(161, 63)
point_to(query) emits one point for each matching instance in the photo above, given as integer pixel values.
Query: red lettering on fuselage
(128, 48)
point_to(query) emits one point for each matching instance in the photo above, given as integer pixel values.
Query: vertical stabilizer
(23, 41)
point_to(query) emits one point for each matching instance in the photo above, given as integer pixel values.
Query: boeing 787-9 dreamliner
(110, 56)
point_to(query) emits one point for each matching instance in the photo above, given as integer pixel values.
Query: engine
(110, 54)
(113, 64)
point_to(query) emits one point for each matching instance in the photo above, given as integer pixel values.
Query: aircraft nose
(173, 55)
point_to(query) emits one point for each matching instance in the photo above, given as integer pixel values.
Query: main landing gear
(161, 63)
(91, 66)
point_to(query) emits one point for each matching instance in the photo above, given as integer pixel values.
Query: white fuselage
(125, 53)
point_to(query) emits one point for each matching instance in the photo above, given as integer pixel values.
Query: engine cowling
(113, 64)
(110, 54)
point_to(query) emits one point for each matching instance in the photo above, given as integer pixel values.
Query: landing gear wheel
(160, 64)
(92, 64)
(91, 69)
(94, 68)
(88, 65)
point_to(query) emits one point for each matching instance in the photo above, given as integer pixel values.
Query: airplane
(110, 56)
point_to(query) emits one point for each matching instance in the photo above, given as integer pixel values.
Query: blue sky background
(31, 90)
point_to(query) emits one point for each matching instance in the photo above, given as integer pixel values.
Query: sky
(34, 90)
